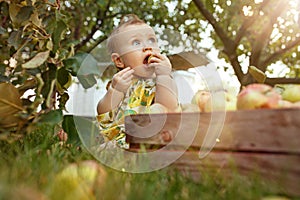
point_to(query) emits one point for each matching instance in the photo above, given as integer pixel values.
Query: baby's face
(136, 43)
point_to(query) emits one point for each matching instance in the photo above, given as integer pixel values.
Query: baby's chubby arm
(116, 91)
(166, 89)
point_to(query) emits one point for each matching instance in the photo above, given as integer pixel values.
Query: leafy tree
(45, 43)
(262, 31)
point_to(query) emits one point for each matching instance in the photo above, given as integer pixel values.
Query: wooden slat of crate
(264, 141)
(280, 170)
(273, 130)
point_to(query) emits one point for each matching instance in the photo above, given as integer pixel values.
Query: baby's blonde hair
(126, 20)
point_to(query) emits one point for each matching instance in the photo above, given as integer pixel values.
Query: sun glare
(258, 1)
(247, 11)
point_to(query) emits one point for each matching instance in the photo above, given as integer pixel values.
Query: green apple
(201, 98)
(78, 181)
(285, 104)
(231, 101)
(296, 104)
(290, 92)
(223, 101)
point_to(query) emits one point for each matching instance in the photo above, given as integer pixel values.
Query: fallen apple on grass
(78, 181)
(258, 95)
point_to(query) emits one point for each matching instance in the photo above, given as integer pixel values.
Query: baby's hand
(122, 80)
(161, 63)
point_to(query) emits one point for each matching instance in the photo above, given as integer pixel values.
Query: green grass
(28, 169)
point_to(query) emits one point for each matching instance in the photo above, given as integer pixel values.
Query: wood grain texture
(273, 130)
(266, 142)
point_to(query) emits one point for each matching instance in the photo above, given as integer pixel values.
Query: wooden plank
(266, 142)
(280, 170)
(269, 130)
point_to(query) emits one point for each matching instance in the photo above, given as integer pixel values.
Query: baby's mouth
(147, 59)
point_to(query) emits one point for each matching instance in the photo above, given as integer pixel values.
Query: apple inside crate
(266, 141)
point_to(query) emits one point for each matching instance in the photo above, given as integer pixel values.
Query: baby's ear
(116, 58)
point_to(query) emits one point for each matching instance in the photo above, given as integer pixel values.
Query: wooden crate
(264, 141)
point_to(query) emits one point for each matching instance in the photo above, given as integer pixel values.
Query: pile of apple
(253, 96)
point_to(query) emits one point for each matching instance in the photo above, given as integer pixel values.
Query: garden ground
(29, 168)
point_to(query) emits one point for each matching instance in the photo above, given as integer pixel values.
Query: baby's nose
(147, 49)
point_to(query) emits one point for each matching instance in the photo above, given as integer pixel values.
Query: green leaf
(70, 128)
(87, 81)
(209, 5)
(48, 79)
(101, 3)
(80, 129)
(85, 66)
(63, 80)
(15, 39)
(24, 14)
(52, 117)
(13, 12)
(57, 35)
(37, 60)
(63, 100)
(36, 20)
(72, 65)
(62, 76)
(257, 74)
(10, 104)
(50, 23)
(88, 65)
(2, 30)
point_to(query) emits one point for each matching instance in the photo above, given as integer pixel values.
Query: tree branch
(100, 40)
(278, 53)
(263, 39)
(229, 45)
(210, 18)
(248, 22)
(274, 81)
(101, 17)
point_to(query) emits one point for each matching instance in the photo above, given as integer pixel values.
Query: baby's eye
(152, 40)
(136, 42)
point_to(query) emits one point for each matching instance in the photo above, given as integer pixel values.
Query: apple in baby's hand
(258, 95)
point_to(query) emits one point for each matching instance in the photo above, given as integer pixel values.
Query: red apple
(258, 95)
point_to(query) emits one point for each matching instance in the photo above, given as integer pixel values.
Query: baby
(144, 83)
